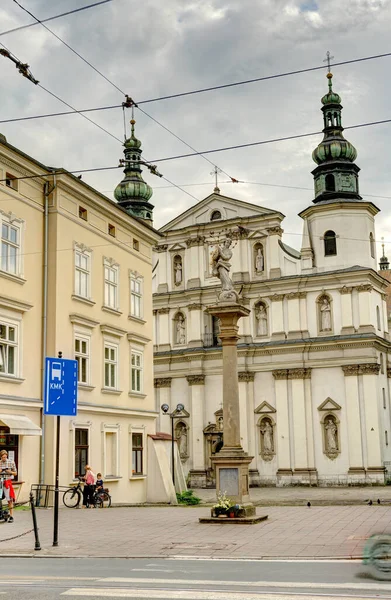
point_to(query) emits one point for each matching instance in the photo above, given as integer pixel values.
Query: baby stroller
(4, 512)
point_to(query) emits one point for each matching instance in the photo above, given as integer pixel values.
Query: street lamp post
(176, 414)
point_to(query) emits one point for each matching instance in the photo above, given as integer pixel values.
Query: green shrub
(188, 498)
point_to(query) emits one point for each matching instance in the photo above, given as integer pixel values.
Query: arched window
(215, 216)
(330, 182)
(378, 318)
(330, 243)
(372, 244)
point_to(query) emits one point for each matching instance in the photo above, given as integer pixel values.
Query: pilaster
(196, 402)
(275, 234)
(347, 327)
(365, 312)
(195, 326)
(277, 317)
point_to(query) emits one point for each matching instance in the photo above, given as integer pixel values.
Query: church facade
(312, 355)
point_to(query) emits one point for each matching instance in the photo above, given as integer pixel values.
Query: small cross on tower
(216, 172)
(328, 59)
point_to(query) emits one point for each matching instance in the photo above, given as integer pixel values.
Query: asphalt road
(171, 579)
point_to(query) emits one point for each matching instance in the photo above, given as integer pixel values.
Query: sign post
(60, 400)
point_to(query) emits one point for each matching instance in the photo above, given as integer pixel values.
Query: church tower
(339, 226)
(133, 194)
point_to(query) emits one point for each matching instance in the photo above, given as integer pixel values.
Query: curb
(184, 558)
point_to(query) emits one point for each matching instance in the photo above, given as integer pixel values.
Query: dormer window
(330, 243)
(216, 215)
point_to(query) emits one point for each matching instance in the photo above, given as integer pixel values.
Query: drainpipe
(46, 193)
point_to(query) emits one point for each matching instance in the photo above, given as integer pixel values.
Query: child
(99, 483)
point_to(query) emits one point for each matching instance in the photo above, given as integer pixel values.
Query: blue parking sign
(60, 387)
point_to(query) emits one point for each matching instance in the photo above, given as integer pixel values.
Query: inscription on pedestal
(229, 481)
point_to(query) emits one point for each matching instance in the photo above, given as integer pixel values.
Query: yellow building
(75, 276)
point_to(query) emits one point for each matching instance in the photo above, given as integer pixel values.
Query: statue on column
(221, 268)
(261, 317)
(259, 261)
(267, 443)
(180, 333)
(331, 437)
(178, 270)
(325, 314)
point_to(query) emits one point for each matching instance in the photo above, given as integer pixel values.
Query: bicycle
(71, 497)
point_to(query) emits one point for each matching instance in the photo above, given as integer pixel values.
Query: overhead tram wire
(69, 12)
(114, 85)
(237, 147)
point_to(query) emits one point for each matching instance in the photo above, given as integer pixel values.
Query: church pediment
(259, 233)
(264, 409)
(177, 248)
(329, 404)
(181, 414)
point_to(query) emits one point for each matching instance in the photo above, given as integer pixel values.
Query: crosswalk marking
(262, 584)
(152, 594)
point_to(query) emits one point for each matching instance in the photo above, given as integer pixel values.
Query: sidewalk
(169, 531)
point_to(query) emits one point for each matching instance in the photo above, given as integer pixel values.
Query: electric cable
(238, 146)
(99, 108)
(70, 12)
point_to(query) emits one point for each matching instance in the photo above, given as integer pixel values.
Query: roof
(255, 209)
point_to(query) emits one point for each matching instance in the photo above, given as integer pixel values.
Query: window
(10, 248)
(82, 273)
(111, 366)
(81, 451)
(136, 245)
(136, 296)
(386, 437)
(82, 356)
(137, 371)
(330, 183)
(372, 245)
(215, 216)
(111, 468)
(137, 453)
(330, 243)
(384, 398)
(83, 213)
(111, 230)
(8, 349)
(11, 181)
(378, 318)
(381, 363)
(111, 286)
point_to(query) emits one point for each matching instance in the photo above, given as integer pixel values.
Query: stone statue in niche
(259, 260)
(221, 267)
(261, 317)
(180, 333)
(178, 270)
(267, 439)
(325, 314)
(181, 439)
(331, 437)
(220, 423)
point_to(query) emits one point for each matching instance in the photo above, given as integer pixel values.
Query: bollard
(37, 544)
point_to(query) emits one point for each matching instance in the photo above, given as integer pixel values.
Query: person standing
(8, 468)
(89, 487)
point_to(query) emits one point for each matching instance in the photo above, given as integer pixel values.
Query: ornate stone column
(196, 408)
(232, 474)
(347, 327)
(277, 320)
(365, 312)
(195, 327)
(163, 396)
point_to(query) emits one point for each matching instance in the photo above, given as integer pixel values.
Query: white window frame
(9, 220)
(6, 343)
(109, 361)
(84, 253)
(110, 288)
(136, 369)
(80, 356)
(111, 430)
(136, 297)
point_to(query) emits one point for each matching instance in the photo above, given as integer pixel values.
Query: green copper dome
(133, 193)
(333, 146)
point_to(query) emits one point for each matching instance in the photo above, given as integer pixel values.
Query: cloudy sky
(151, 49)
